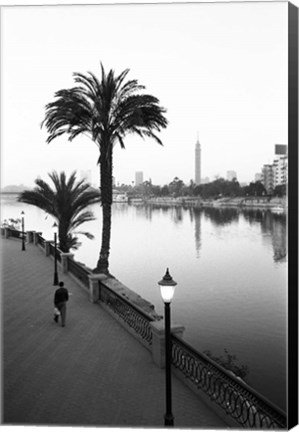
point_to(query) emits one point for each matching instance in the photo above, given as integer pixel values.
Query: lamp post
(55, 254)
(23, 233)
(167, 287)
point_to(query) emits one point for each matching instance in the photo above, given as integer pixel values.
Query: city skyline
(138, 177)
(222, 78)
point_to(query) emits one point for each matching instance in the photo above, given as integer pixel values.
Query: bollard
(94, 289)
(47, 247)
(64, 260)
(35, 237)
(30, 236)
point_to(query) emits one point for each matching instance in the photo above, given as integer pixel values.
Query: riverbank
(275, 203)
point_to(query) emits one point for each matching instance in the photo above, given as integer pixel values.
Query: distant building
(197, 163)
(230, 175)
(276, 174)
(138, 178)
(281, 149)
(205, 180)
(120, 197)
(281, 165)
(258, 177)
(268, 177)
(280, 173)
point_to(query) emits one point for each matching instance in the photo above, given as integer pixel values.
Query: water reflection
(274, 230)
(196, 215)
(176, 212)
(120, 207)
(273, 226)
(145, 211)
(222, 216)
(254, 215)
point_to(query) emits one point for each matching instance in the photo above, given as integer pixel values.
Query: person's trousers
(62, 309)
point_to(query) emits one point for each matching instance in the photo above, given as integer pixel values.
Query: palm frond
(66, 202)
(105, 109)
(86, 234)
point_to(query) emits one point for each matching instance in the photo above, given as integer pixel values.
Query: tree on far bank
(219, 187)
(280, 190)
(176, 187)
(255, 189)
(67, 203)
(106, 110)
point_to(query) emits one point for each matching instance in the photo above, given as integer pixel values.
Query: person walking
(61, 296)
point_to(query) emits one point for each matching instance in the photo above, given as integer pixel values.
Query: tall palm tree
(67, 203)
(106, 110)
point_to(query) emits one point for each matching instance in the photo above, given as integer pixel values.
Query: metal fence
(16, 233)
(78, 271)
(41, 241)
(134, 317)
(52, 252)
(238, 400)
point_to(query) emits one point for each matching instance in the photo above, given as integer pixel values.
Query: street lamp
(23, 233)
(55, 227)
(167, 287)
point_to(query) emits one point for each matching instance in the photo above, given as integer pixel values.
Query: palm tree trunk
(106, 198)
(62, 237)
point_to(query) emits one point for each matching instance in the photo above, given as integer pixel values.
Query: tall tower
(197, 162)
(138, 178)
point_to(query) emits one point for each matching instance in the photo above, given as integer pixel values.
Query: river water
(231, 270)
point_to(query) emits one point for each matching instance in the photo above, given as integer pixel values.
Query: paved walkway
(91, 372)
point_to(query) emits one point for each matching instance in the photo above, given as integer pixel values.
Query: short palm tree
(105, 110)
(67, 203)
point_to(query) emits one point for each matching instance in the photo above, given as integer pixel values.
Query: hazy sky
(220, 70)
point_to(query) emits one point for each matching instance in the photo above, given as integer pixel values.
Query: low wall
(116, 286)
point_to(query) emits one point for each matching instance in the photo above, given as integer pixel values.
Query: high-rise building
(281, 149)
(197, 179)
(280, 167)
(231, 175)
(268, 177)
(276, 174)
(138, 178)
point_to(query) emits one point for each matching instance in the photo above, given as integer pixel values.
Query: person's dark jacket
(61, 295)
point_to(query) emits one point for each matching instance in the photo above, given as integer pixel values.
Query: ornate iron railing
(16, 233)
(41, 241)
(237, 399)
(78, 271)
(134, 317)
(52, 252)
